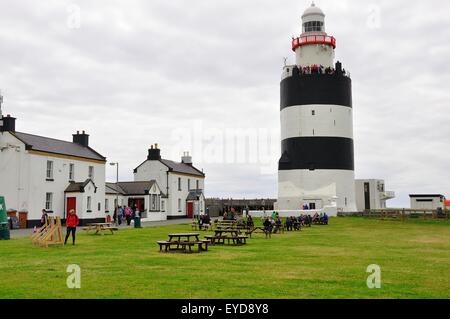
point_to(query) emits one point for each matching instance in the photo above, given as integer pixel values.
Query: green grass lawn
(318, 262)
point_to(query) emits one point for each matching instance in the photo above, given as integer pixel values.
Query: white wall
(329, 120)
(155, 170)
(296, 187)
(376, 194)
(311, 54)
(23, 181)
(433, 204)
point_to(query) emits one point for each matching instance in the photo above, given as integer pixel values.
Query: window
(91, 172)
(345, 201)
(179, 183)
(99, 206)
(179, 204)
(153, 202)
(189, 184)
(71, 172)
(49, 170)
(313, 26)
(313, 112)
(197, 182)
(107, 204)
(162, 205)
(89, 204)
(49, 201)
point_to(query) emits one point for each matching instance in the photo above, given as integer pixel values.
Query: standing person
(44, 218)
(116, 212)
(128, 213)
(71, 224)
(120, 215)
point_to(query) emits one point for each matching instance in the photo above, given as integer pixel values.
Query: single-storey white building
(427, 201)
(147, 196)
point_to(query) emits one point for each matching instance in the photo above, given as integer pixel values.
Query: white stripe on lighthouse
(328, 120)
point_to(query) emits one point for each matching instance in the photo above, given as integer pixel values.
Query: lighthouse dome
(313, 10)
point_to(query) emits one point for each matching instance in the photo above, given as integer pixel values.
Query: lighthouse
(316, 167)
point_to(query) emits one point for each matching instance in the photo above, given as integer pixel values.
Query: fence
(400, 214)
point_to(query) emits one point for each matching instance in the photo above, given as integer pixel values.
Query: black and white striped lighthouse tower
(317, 163)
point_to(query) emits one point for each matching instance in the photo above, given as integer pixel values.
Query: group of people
(318, 69)
(126, 214)
(204, 221)
(320, 219)
(230, 215)
(274, 222)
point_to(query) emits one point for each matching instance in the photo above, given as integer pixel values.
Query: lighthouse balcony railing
(314, 70)
(313, 39)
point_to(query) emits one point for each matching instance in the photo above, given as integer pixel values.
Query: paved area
(20, 233)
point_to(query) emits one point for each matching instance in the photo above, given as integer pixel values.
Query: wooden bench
(216, 240)
(202, 245)
(238, 240)
(261, 230)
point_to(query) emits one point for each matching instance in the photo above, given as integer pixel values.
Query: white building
(147, 196)
(43, 173)
(317, 163)
(371, 194)
(181, 184)
(427, 201)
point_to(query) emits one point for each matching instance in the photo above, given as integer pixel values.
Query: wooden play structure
(49, 234)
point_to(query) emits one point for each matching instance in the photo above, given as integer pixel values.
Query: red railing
(313, 39)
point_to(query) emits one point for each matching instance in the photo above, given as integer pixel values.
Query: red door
(190, 209)
(71, 204)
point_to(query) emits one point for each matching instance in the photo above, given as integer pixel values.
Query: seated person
(278, 224)
(250, 223)
(288, 223)
(325, 219)
(267, 225)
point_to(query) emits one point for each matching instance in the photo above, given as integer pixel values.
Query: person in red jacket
(71, 223)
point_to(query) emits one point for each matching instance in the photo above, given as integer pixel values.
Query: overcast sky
(189, 74)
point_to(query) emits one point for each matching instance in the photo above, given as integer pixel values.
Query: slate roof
(50, 145)
(129, 188)
(78, 187)
(194, 194)
(182, 168)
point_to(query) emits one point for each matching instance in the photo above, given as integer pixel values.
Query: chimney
(7, 124)
(81, 139)
(186, 158)
(154, 153)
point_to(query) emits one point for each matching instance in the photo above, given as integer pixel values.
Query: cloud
(135, 72)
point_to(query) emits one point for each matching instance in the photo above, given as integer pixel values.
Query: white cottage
(147, 196)
(39, 172)
(182, 185)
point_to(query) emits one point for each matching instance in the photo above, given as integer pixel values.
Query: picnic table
(186, 236)
(183, 242)
(268, 233)
(100, 228)
(233, 235)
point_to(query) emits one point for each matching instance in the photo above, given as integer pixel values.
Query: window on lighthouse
(313, 26)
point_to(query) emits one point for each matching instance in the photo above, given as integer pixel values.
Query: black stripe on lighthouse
(317, 153)
(316, 89)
